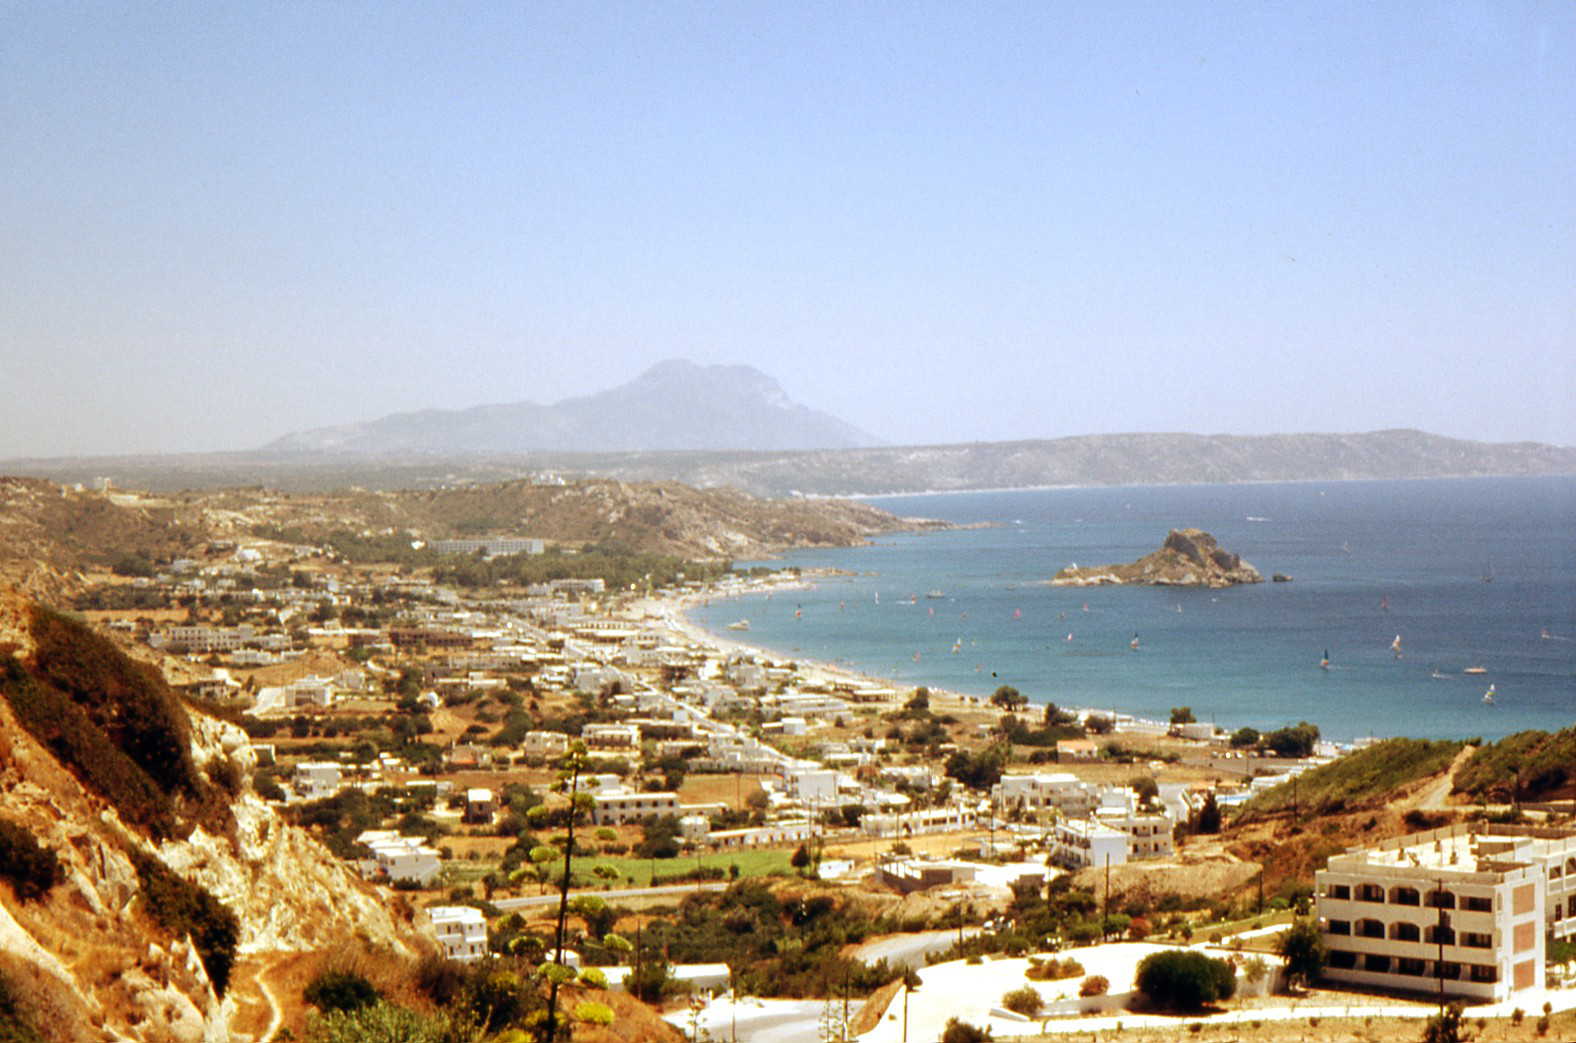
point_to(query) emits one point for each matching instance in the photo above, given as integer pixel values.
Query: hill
(1525, 767)
(674, 405)
(136, 865)
(1365, 778)
(1085, 460)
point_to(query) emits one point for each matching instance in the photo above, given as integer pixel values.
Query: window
(1404, 896)
(1440, 936)
(1342, 960)
(1473, 940)
(1377, 964)
(1405, 932)
(1370, 928)
(1340, 927)
(1441, 900)
(1448, 971)
(1340, 891)
(1477, 904)
(1484, 972)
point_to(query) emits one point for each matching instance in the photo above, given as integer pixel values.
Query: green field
(637, 872)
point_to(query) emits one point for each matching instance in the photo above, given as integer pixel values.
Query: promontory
(1188, 558)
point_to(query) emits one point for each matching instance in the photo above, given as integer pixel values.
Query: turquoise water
(1370, 561)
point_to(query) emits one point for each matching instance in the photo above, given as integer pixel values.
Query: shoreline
(673, 611)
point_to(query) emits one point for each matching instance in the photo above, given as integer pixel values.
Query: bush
(340, 990)
(962, 1032)
(593, 978)
(1052, 969)
(32, 868)
(1094, 985)
(183, 908)
(1177, 980)
(593, 1013)
(379, 1023)
(14, 1027)
(1025, 1000)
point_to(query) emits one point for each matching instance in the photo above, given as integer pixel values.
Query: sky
(222, 222)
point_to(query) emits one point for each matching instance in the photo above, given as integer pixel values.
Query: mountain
(673, 405)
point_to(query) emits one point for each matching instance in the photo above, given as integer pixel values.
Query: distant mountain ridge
(674, 405)
(1080, 460)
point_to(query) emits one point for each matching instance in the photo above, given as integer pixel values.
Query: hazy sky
(223, 222)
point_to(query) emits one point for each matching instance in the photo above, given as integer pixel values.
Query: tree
(1182, 715)
(1099, 724)
(1146, 788)
(962, 1032)
(1244, 737)
(1178, 980)
(1304, 950)
(1295, 741)
(1025, 1000)
(1445, 1027)
(1208, 820)
(919, 702)
(1009, 698)
(979, 771)
(573, 763)
(801, 859)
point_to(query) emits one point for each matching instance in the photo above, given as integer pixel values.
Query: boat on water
(934, 595)
(1488, 696)
(1324, 664)
(1395, 646)
(740, 624)
(1133, 644)
(1475, 670)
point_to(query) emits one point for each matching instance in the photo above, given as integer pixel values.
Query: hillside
(674, 405)
(1187, 558)
(1525, 767)
(1365, 778)
(136, 866)
(1084, 460)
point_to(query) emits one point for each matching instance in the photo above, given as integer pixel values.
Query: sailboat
(742, 624)
(1324, 664)
(1488, 696)
(1395, 646)
(1133, 644)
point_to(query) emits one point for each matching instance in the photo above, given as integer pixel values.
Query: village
(422, 728)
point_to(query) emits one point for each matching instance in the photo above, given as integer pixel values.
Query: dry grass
(1323, 1030)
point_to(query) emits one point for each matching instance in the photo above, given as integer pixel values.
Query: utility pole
(1439, 936)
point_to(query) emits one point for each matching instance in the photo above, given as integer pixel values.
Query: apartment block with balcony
(1463, 910)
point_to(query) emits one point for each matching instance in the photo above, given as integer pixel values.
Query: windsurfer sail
(1324, 664)
(1133, 644)
(1395, 646)
(1488, 696)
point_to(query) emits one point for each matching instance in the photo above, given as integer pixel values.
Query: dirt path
(276, 1013)
(1435, 795)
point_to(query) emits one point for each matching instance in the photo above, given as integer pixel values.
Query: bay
(1469, 573)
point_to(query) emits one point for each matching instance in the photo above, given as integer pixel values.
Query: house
(399, 858)
(611, 736)
(614, 809)
(1045, 791)
(461, 931)
(315, 780)
(1082, 842)
(811, 785)
(908, 875)
(480, 804)
(310, 691)
(1077, 750)
(545, 745)
(1464, 910)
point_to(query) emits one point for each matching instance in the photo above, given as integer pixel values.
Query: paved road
(909, 950)
(529, 901)
(761, 1021)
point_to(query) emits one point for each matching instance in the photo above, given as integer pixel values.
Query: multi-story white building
(611, 736)
(545, 744)
(1081, 842)
(614, 809)
(317, 779)
(399, 858)
(1462, 910)
(461, 931)
(1044, 791)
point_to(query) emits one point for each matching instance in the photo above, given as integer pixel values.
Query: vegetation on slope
(1363, 777)
(1526, 766)
(31, 868)
(112, 721)
(183, 908)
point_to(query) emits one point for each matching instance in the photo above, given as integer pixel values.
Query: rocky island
(1188, 558)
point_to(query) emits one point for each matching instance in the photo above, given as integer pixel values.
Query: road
(909, 950)
(532, 901)
(759, 1021)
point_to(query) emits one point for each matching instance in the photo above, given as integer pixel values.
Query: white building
(1045, 791)
(1082, 842)
(315, 780)
(614, 809)
(1466, 908)
(611, 736)
(461, 931)
(811, 785)
(399, 858)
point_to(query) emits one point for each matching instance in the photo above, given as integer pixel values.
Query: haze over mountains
(674, 405)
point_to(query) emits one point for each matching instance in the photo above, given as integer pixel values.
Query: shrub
(593, 978)
(14, 1027)
(32, 868)
(1517, 1015)
(1094, 985)
(340, 990)
(593, 1013)
(379, 1023)
(183, 908)
(962, 1032)
(1176, 980)
(1025, 1000)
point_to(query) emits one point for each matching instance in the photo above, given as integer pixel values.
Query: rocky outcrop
(1188, 558)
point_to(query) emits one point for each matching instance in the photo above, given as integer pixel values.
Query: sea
(1459, 574)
